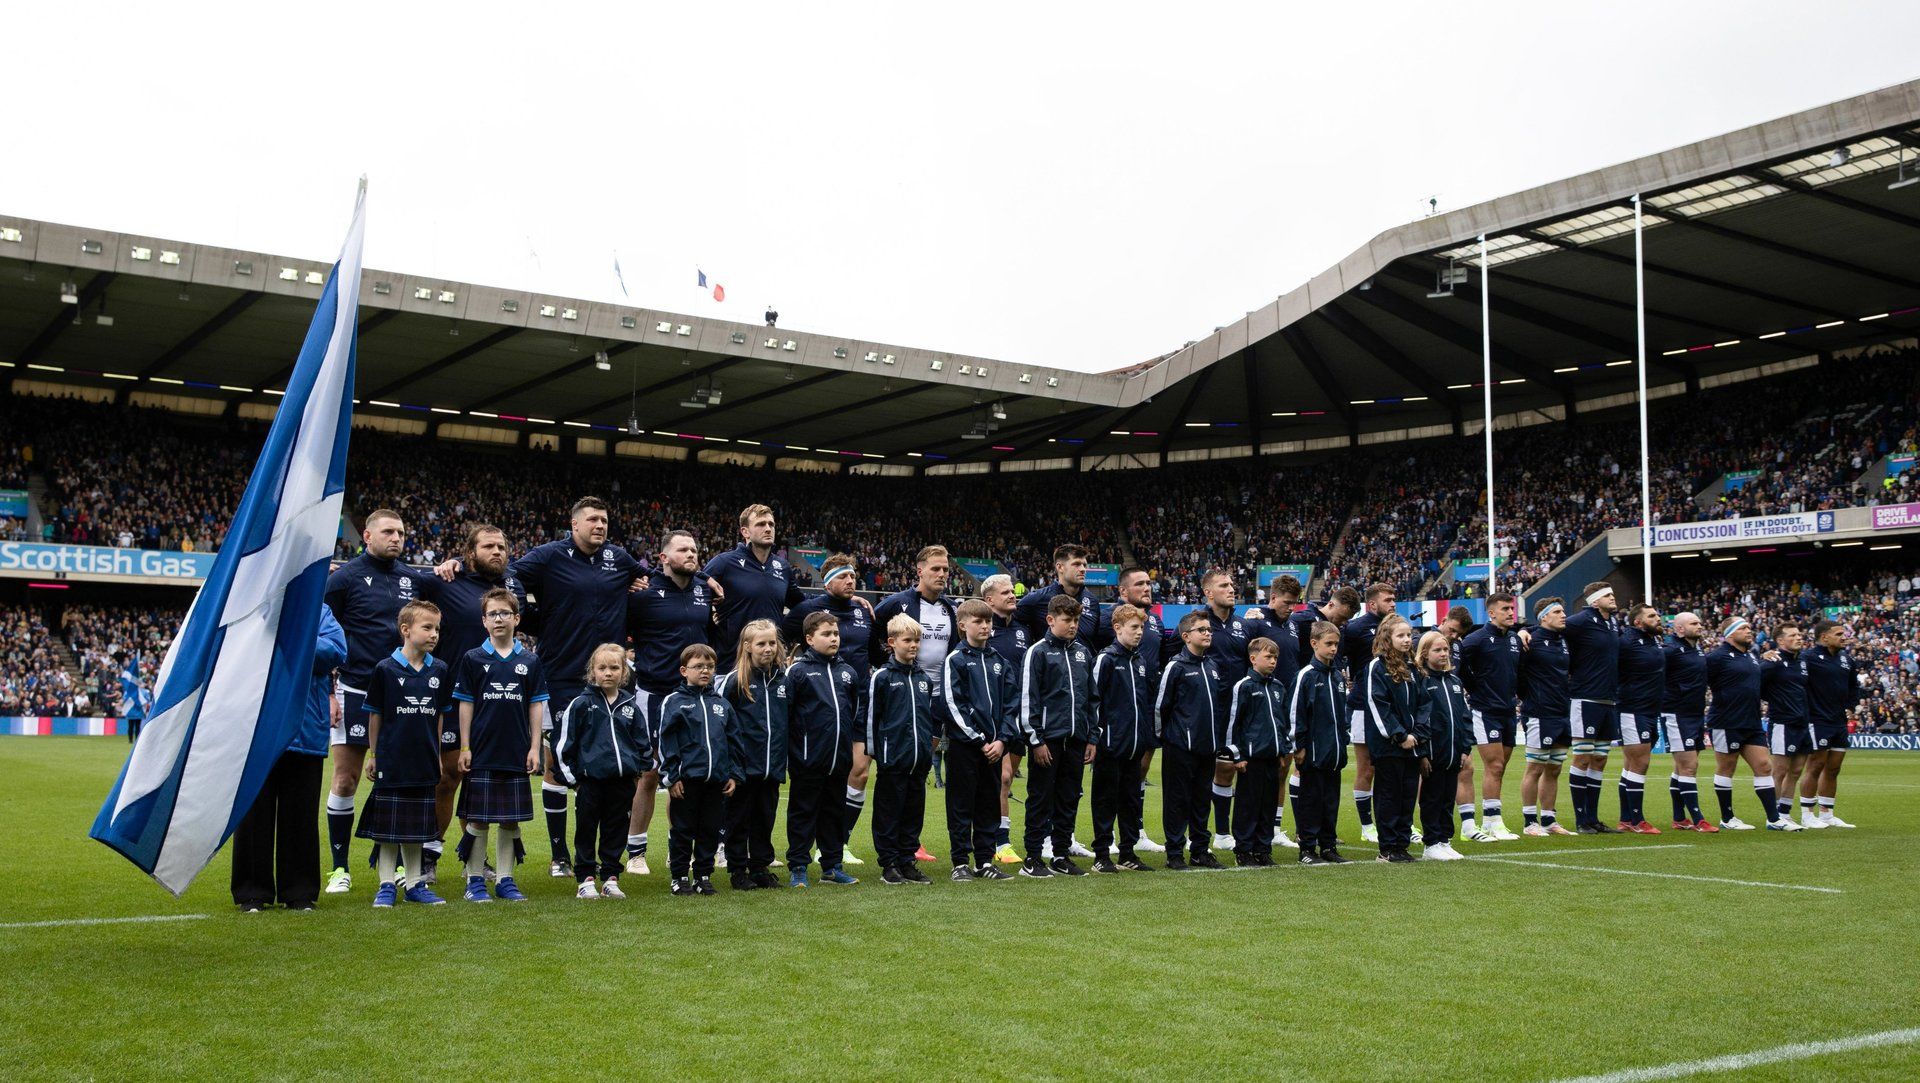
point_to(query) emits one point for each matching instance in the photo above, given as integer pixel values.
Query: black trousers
(1396, 780)
(1053, 795)
(1186, 794)
(1254, 802)
(816, 815)
(973, 803)
(602, 808)
(276, 848)
(1116, 796)
(1317, 808)
(694, 820)
(750, 813)
(1436, 804)
(899, 812)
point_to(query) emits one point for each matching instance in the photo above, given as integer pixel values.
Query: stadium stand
(33, 681)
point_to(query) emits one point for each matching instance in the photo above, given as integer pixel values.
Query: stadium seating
(32, 679)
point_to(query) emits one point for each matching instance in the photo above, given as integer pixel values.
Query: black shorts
(1638, 727)
(352, 728)
(1684, 732)
(1493, 729)
(1546, 733)
(1734, 738)
(1591, 720)
(1790, 739)
(1831, 735)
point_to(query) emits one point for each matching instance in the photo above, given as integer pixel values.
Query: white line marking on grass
(1736, 1061)
(100, 921)
(1522, 863)
(1581, 850)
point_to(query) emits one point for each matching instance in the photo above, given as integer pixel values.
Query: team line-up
(723, 683)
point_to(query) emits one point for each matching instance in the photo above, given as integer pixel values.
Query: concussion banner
(1757, 528)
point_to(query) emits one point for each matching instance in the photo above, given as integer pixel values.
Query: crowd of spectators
(32, 679)
(95, 633)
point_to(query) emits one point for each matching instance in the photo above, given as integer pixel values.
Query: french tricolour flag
(233, 687)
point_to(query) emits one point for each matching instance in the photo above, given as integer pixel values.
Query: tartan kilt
(400, 814)
(495, 797)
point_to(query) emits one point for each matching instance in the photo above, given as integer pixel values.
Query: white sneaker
(559, 869)
(1281, 838)
(1813, 823)
(1474, 834)
(1500, 832)
(1146, 845)
(1046, 849)
(637, 865)
(720, 859)
(1735, 824)
(339, 882)
(846, 858)
(1075, 849)
(1370, 833)
(1834, 821)
(1417, 840)
(1441, 851)
(1534, 830)
(611, 889)
(1783, 823)
(1223, 842)
(587, 890)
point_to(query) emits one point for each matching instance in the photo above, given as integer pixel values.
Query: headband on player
(1550, 608)
(1599, 594)
(1738, 623)
(844, 569)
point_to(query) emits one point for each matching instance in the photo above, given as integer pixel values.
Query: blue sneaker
(384, 898)
(798, 878)
(508, 890)
(837, 876)
(477, 889)
(421, 893)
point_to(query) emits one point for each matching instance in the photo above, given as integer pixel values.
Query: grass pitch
(1565, 957)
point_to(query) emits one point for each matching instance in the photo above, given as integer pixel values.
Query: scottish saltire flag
(620, 278)
(233, 686)
(702, 276)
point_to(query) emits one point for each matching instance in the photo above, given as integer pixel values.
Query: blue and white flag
(620, 278)
(233, 687)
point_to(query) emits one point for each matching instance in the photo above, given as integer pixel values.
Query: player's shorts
(1638, 727)
(351, 730)
(1592, 720)
(1685, 732)
(1545, 733)
(1829, 735)
(1790, 739)
(1493, 729)
(1357, 728)
(1736, 738)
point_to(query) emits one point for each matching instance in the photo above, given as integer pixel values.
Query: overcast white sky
(1077, 185)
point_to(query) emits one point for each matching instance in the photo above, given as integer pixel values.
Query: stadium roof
(1787, 239)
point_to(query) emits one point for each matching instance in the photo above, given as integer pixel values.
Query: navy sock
(1633, 796)
(553, 799)
(1677, 790)
(1222, 809)
(1723, 792)
(1547, 817)
(856, 800)
(1763, 789)
(1530, 814)
(339, 828)
(1363, 804)
(1690, 791)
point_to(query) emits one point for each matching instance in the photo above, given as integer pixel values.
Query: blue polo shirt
(755, 590)
(365, 595)
(664, 620)
(582, 598)
(1593, 657)
(461, 625)
(502, 688)
(409, 702)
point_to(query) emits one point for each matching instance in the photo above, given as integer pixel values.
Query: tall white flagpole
(1486, 385)
(1640, 371)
